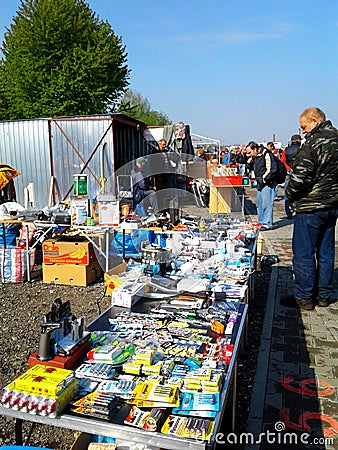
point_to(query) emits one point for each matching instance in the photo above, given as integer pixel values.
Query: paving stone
(326, 372)
(333, 353)
(311, 358)
(322, 360)
(301, 402)
(276, 375)
(276, 356)
(333, 381)
(274, 387)
(320, 330)
(306, 370)
(275, 400)
(328, 406)
(271, 414)
(288, 367)
(293, 324)
(279, 324)
(319, 341)
(292, 354)
(278, 341)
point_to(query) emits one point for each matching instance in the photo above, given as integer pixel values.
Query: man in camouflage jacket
(313, 195)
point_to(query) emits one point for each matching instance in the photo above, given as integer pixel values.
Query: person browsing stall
(313, 195)
(142, 187)
(265, 168)
(163, 164)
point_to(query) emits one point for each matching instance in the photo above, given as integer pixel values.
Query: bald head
(310, 118)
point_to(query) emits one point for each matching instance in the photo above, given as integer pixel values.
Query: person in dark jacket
(313, 195)
(287, 157)
(265, 168)
(161, 167)
(142, 187)
(164, 172)
(240, 159)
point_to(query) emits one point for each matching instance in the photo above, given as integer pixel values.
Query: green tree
(135, 105)
(60, 60)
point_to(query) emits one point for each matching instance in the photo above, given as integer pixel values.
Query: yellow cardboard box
(68, 250)
(71, 275)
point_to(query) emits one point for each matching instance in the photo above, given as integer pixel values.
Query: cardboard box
(127, 294)
(68, 251)
(109, 210)
(74, 275)
(44, 380)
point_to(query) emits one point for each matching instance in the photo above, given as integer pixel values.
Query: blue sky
(233, 70)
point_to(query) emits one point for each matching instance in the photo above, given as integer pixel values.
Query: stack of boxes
(70, 261)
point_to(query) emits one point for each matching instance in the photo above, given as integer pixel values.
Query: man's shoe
(322, 302)
(265, 228)
(305, 304)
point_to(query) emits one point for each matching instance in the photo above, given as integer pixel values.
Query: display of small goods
(41, 390)
(162, 371)
(168, 378)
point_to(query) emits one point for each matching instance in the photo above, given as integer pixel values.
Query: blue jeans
(313, 246)
(241, 169)
(264, 204)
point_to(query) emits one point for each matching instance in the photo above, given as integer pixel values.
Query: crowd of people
(310, 193)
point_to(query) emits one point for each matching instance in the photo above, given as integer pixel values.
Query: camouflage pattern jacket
(313, 184)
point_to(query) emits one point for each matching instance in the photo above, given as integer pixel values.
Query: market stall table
(117, 428)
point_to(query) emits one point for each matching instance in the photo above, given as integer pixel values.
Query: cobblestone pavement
(295, 398)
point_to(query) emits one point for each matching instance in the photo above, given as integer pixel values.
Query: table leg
(18, 431)
(27, 254)
(234, 397)
(107, 249)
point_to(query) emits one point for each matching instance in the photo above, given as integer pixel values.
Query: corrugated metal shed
(24, 144)
(60, 147)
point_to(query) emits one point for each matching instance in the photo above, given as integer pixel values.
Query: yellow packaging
(56, 372)
(144, 356)
(192, 385)
(154, 379)
(152, 369)
(199, 374)
(132, 368)
(148, 394)
(61, 400)
(44, 380)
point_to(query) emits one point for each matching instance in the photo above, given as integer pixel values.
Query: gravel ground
(22, 308)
